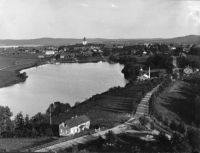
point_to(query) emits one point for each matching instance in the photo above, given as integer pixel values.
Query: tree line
(24, 126)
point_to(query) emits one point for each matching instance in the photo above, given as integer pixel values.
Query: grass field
(9, 66)
(8, 61)
(18, 144)
(175, 102)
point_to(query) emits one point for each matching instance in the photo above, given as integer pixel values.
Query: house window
(61, 131)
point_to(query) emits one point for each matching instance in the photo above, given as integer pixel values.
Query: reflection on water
(66, 83)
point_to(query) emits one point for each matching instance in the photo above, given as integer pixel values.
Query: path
(143, 108)
(174, 62)
(176, 68)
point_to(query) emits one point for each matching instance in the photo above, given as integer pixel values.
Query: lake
(67, 83)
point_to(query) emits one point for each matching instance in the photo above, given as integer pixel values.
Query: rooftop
(77, 121)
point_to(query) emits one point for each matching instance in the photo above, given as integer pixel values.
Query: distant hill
(194, 39)
(65, 41)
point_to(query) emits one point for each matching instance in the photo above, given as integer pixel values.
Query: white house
(62, 56)
(49, 53)
(74, 125)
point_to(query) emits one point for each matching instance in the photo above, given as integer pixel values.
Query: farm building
(74, 125)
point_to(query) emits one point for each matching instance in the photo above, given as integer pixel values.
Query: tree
(57, 56)
(100, 142)
(57, 108)
(160, 117)
(34, 133)
(77, 103)
(194, 137)
(27, 132)
(163, 141)
(110, 137)
(197, 112)
(143, 120)
(5, 121)
(26, 121)
(129, 71)
(166, 122)
(48, 132)
(75, 149)
(112, 58)
(180, 144)
(182, 128)
(19, 121)
(38, 117)
(106, 52)
(173, 125)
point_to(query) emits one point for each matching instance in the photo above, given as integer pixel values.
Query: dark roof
(77, 121)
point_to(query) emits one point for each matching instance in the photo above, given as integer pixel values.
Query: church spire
(84, 41)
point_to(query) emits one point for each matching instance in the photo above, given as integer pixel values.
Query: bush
(160, 117)
(143, 120)
(194, 138)
(110, 137)
(166, 122)
(182, 128)
(180, 144)
(3, 150)
(173, 125)
(48, 132)
(152, 126)
(100, 142)
(34, 133)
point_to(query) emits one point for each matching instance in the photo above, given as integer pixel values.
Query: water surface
(67, 83)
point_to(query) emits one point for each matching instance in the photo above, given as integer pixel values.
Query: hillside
(65, 41)
(186, 39)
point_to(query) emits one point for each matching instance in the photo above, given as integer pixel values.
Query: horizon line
(101, 38)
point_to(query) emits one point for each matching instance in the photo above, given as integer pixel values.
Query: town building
(49, 53)
(40, 56)
(74, 125)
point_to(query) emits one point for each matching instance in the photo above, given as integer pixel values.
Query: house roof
(77, 121)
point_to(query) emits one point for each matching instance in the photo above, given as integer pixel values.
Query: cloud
(195, 17)
(84, 4)
(113, 5)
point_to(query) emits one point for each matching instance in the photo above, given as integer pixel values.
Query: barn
(74, 125)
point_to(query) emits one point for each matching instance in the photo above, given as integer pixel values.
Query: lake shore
(58, 75)
(9, 73)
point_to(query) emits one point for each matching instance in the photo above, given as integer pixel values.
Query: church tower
(84, 41)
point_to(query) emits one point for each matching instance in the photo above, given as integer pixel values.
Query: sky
(112, 19)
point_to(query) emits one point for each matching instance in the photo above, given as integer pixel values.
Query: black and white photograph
(89, 76)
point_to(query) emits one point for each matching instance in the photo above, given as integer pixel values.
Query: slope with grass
(176, 104)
